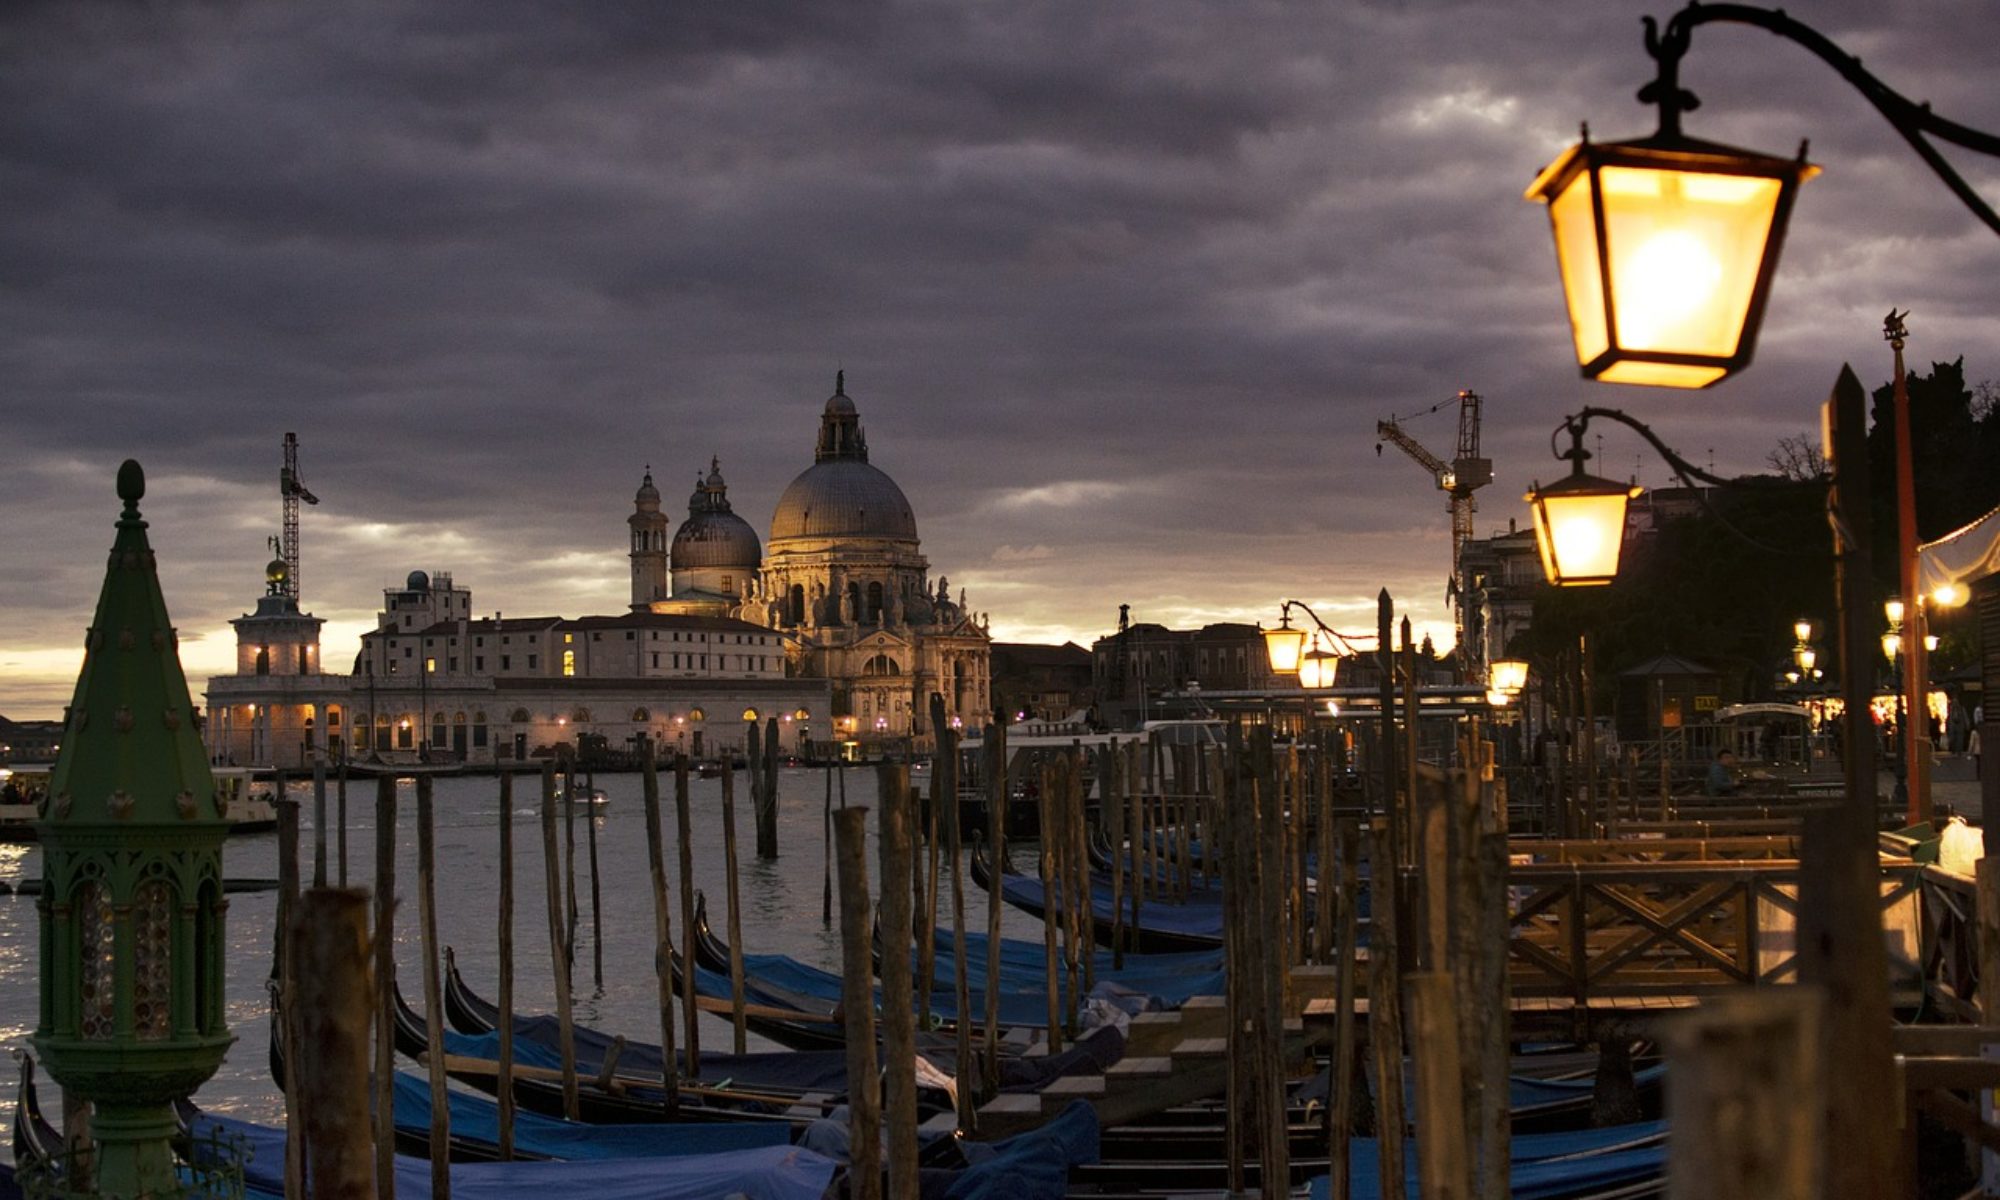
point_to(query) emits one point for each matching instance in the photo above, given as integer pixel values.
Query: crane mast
(292, 490)
(1458, 479)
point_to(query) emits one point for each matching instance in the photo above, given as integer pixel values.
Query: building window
(656, 663)
(408, 652)
(596, 636)
(568, 638)
(430, 666)
(480, 641)
(479, 730)
(569, 662)
(451, 664)
(506, 662)
(628, 637)
(506, 639)
(532, 661)
(263, 660)
(479, 664)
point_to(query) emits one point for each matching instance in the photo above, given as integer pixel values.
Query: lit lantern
(1949, 595)
(1802, 629)
(1892, 645)
(1317, 668)
(1580, 527)
(1285, 645)
(1892, 608)
(1930, 643)
(1667, 246)
(1498, 698)
(1805, 656)
(1508, 675)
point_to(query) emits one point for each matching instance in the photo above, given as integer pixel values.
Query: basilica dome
(841, 495)
(713, 535)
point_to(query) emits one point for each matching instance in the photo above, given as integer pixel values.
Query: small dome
(713, 535)
(417, 582)
(843, 498)
(647, 494)
(275, 571)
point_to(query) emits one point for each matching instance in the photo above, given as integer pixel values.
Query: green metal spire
(131, 908)
(131, 753)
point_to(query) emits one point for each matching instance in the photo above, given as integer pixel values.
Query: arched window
(797, 611)
(881, 664)
(405, 738)
(263, 660)
(153, 960)
(479, 729)
(696, 714)
(639, 716)
(749, 714)
(519, 716)
(580, 716)
(875, 601)
(437, 730)
(96, 930)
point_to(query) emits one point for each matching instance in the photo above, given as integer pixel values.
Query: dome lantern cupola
(840, 436)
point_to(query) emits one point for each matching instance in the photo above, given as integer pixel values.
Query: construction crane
(292, 490)
(1464, 474)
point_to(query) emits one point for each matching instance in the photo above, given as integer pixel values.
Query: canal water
(781, 905)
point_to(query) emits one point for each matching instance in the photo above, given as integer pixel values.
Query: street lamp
(1315, 668)
(1285, 645)
(1508, 675)
(1580, 520)
(1805, 656)
(1667, 244)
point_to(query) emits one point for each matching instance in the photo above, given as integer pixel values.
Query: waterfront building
(835, 632)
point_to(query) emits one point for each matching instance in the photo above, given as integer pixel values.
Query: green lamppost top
(131, 906)
(131, 754)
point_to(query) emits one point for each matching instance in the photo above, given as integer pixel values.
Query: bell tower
(649, 546)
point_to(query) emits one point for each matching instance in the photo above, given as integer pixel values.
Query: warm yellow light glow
(1930, 641)
(1892, 608)
(749, 714)
(1805, 656)
(1685, 251)
(1498, 698)
(1580, 533)
(1333, 708)
(1508, 675)
(1285, 646)
(1802, 629)
(1892, 645)
(1662, 245)
(1317, 668)
(1949, 595)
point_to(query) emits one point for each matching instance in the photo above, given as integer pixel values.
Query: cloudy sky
(1120, 289)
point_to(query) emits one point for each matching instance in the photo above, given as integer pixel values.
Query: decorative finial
(131, 485)
(839, 385)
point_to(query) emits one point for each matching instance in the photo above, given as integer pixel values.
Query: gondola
(1173, 928)
(632, 1103)
(38, 1146)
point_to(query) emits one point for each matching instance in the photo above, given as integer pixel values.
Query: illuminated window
(569, 661)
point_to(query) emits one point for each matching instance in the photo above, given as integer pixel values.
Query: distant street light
(1580, 520)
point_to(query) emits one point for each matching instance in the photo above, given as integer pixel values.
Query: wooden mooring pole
(946, 770)
(506, 948)
(857, 1002)
(899, 1032)
(663, 926)
(330, 936)
(560, 956)
(319, 820)
(440, 1141)
(385, 987)
(996, 845)
(735, 914)
(1744, 1074)
(1385, 1009)
(1051, 913)
(690, 1009)
(596, 884)
(1443, 1164)
(287, 989)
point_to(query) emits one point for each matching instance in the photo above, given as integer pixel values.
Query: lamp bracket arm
(1913, 121)
(1692, 475)
(1345, 640)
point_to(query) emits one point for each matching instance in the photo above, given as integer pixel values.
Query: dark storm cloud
(1121, 289)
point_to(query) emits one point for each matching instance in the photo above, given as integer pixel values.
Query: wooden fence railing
(1588, 930)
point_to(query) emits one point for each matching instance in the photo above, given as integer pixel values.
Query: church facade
(831, 634)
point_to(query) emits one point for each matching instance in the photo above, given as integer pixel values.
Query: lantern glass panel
(97, 945)
(1509, 675)
(152, 961)
(1317, 669)
(1581, 534)
(1685, 249)
(1575, 223)
(1285, 646)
